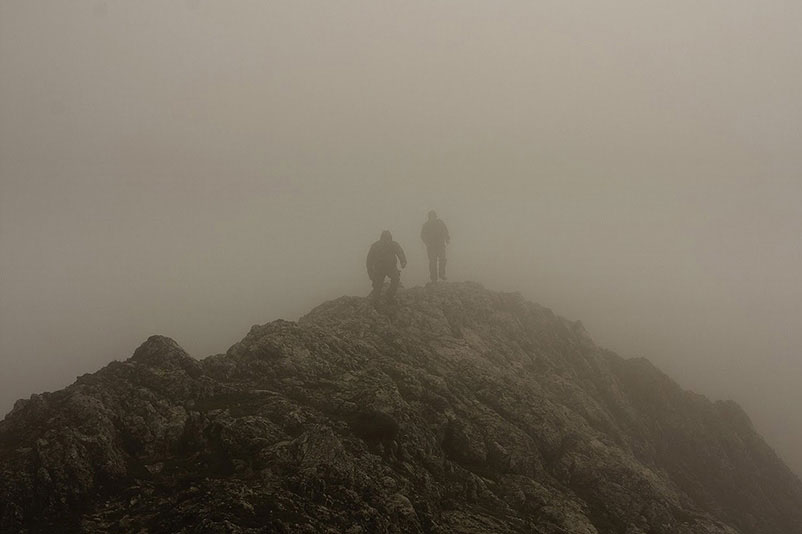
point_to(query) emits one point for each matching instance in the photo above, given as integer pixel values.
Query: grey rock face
(463, 411)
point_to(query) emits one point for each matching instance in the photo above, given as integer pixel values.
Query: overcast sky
(193, 168)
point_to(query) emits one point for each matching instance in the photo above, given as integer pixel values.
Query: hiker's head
(386, 236)
(432, 215)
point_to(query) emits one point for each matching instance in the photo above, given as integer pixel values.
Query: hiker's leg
(378, 282)
(395, 279)
(432, 251)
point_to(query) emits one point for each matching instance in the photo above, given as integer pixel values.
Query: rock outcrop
(461, 411)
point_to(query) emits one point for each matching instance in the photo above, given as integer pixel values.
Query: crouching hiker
(381, 263)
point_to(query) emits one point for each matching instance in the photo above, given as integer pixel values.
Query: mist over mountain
(459, 410)
(194, 167)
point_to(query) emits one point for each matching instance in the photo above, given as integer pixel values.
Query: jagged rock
(459, 410)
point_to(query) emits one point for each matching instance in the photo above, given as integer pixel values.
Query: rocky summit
(458, 410)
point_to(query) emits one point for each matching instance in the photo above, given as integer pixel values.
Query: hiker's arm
(401, 256)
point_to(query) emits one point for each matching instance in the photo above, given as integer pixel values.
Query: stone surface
(459, 410)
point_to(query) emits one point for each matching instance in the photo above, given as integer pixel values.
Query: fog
(193, 168)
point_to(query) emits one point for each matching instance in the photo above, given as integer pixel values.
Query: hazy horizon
(193, 168)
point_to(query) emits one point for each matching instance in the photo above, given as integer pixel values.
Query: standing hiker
(435, 234)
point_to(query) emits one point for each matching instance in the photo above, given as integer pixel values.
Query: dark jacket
(434, 233)
(382, 258)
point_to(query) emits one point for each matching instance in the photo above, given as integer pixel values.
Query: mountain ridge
(457, 410)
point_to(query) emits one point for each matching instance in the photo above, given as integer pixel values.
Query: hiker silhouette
(435, 234)
(381, 263)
